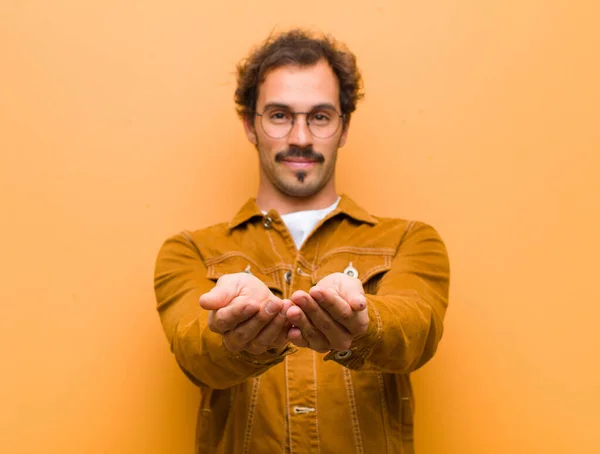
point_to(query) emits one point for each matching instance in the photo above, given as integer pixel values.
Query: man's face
(298, 164)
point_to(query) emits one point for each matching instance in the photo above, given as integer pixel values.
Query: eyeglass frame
(294, 114)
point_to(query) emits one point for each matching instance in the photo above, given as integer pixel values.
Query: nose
(300, 134)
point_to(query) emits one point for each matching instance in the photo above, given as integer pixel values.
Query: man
(302, 317)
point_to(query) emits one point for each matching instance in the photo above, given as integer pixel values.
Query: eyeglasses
(277, 122)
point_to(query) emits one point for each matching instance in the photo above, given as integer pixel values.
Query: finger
(280, 341)
(295, 337)
(352, 291)
(354, 295)
(227, 318)
(273, 329)
(336, 334)
(339, 309)
(282, 337)
(226, 288)
(316, 340)
(243, 334)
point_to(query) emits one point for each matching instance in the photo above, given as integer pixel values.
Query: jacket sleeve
(406, 312)
(179, 280)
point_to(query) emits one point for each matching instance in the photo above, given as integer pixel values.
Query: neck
(285, 204)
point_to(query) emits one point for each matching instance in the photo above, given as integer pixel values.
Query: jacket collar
(347, 206)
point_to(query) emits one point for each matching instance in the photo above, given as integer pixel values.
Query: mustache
(300, 152)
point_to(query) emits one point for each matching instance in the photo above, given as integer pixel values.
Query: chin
(299, 190)
(301, 193)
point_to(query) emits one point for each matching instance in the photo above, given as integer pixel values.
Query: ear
(248, 122)
(344, 135)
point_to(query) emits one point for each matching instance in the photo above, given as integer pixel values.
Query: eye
(279, 116)
(320, 118)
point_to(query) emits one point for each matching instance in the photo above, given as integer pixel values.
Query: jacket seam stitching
(318, 261)
(285, 425)
(353, 412)
(316, 401)
(356, 250)
(301, 260)
(379, 323)
(274, 280)
(384, 411)
(364, 278)
(251, 411)
(188, 238)
(287, 410)
(220, 258)
(281, 265)
(231, 402)
(359, 362)
(273, 247)
(408, 228)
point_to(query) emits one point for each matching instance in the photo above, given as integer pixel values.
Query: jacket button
(351, 271)
(288, 277)
(343, 354)
(267, 222)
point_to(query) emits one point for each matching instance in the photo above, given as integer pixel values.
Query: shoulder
(409, 230)
(195, 241)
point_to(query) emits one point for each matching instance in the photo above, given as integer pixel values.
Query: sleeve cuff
(362, 346)
(270, 357)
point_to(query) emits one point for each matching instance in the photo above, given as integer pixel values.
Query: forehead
(300, 87)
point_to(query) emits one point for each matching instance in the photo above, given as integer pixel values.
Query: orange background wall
(117, 129)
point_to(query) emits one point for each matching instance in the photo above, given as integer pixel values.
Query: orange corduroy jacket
(296, 400)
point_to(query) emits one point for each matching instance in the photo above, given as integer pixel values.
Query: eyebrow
(277, 105)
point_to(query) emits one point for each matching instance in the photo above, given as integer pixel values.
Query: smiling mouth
(298, 163)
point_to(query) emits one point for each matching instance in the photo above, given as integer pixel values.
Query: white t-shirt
(301, 223)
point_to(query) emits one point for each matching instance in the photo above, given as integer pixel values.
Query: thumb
(357, 302)
(219, 296)
(352, 292)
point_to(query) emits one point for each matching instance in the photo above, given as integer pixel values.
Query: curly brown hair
(302, 48)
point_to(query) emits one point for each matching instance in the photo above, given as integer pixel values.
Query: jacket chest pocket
(238, 262)
(367, 266)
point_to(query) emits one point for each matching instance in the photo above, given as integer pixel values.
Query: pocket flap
(353, 263)
(237, 262)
